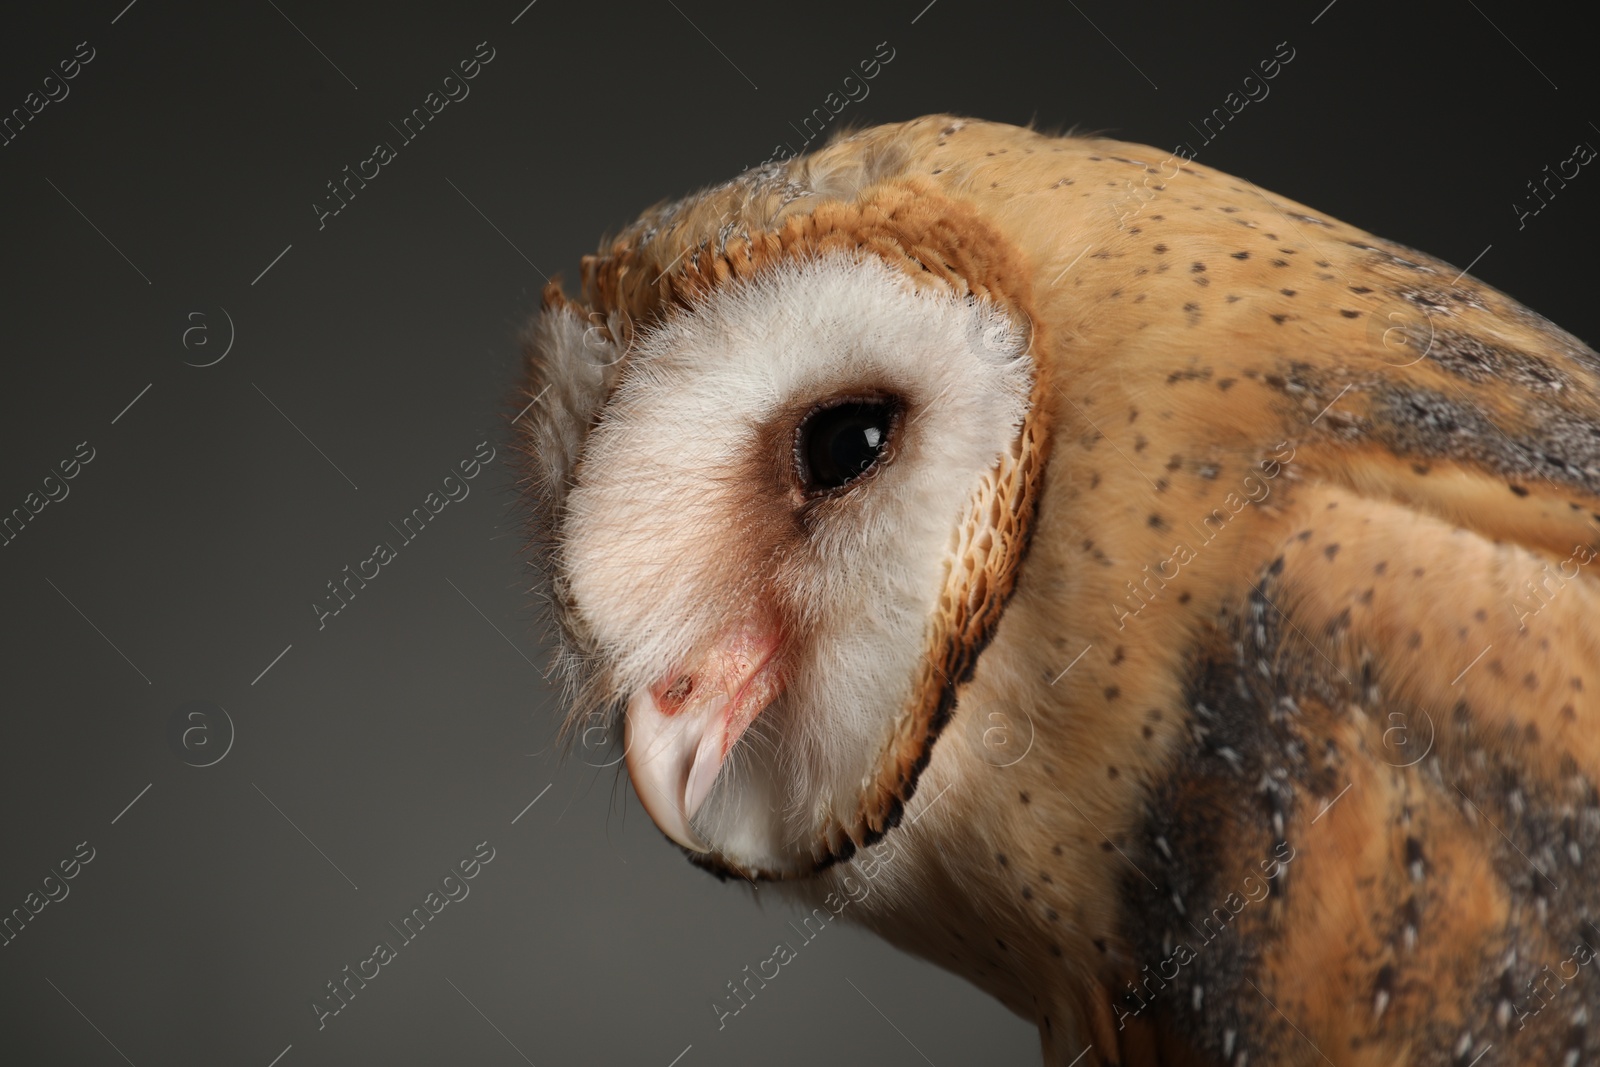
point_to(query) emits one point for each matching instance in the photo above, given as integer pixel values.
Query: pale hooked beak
(679, 732)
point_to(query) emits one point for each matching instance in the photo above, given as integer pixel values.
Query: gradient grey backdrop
(378, 352)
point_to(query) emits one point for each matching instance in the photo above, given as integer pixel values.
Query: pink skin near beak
(679, 732)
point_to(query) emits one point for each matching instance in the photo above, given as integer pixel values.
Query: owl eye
(835, 445)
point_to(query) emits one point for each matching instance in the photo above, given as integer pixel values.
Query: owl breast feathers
(1171, 608)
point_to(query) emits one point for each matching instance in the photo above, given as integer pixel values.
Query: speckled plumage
(1311, 766)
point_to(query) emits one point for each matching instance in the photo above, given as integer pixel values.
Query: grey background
(416, 724)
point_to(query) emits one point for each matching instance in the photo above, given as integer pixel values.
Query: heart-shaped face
(784, 517)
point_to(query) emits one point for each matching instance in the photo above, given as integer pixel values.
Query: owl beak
(679, 732)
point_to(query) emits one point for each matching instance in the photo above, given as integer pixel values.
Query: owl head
(783, 453)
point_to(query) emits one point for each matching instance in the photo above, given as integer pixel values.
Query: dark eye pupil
(841, 443)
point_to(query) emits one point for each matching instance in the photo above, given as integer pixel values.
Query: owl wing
(1393, 716)
(1344, 499)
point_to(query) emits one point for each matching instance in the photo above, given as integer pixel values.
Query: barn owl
(1185, 601)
